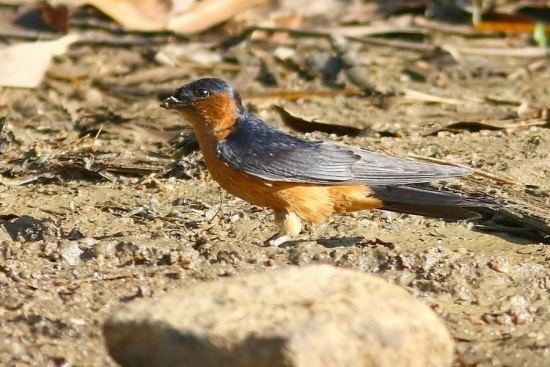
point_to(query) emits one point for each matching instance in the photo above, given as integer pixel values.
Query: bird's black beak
(172, 103)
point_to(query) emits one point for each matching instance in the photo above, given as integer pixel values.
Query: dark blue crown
(212, 85)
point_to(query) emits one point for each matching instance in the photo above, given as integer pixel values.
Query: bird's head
(211, 105)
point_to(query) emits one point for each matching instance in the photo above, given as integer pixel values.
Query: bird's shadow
(332, 242)
(518, 237)
(340, 241)
(335, 242)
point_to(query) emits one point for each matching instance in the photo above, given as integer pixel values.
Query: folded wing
(262, 151)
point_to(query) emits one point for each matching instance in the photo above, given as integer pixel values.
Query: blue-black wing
(263, 151)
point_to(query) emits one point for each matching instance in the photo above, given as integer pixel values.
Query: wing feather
(262, 151)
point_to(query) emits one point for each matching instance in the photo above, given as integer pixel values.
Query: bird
(309, 181)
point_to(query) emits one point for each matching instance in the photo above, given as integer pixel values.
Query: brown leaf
(472, 126)
(143, 15)
(207, 14)
(475, 126)
(294, 95)
(508, 23)
(180, 16)
(43, 17)
(310, 8)
(305, 126)
(56, 17)
(23, 65)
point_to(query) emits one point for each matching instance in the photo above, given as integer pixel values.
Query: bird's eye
(201, 93)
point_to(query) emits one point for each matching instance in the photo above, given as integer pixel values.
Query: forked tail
(489, 214)
(430, 202)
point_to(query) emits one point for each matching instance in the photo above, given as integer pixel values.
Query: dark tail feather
(431, 202)
(487, 213)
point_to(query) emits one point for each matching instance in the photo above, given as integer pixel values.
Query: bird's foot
(277, 240)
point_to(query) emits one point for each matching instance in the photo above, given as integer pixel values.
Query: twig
(527, 52)
(476, 172)
(24, 181)
(526, 70)
(294, 95)
(112, 27)
(425, 97)
(29, 35)
(362, 30)
(110, 278)
(368, 40)
(88, 38)
(535, 122)
(218, 210)
(405, 45)
(162, 74)
(96, 137)
(461, 30)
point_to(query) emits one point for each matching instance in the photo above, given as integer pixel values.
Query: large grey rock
(312, 316)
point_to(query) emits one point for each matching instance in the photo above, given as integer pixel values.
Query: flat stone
(311, 316)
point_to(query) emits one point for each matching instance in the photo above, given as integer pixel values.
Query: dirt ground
(98, 208)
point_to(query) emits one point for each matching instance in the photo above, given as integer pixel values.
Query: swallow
(303, 180)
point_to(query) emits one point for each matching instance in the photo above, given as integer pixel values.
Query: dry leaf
(305, 126)
(43, 16)
(23, 65)
(180, 16)
(475, 126)
(430, 98)
(207, 14)
(144, 15)
(310, 8)
(197, 53)
(472, 126)
(508, 23)
(56, 17)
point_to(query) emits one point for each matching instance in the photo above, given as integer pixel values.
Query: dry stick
(476, 172)
(29, 35)
(165, 73)
(413, 46)
(112, 27)
(294, 95)
(362, 31)
(535, 122)
(464, 31)
(109, 278)
(23, 181)
(526, 70)
(425, 97)
(368, 40)
(205, 14)
(88, 38)
(91, 39)
(527, 52)
(217, 210)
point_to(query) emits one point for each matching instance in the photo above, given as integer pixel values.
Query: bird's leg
(289, 225)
